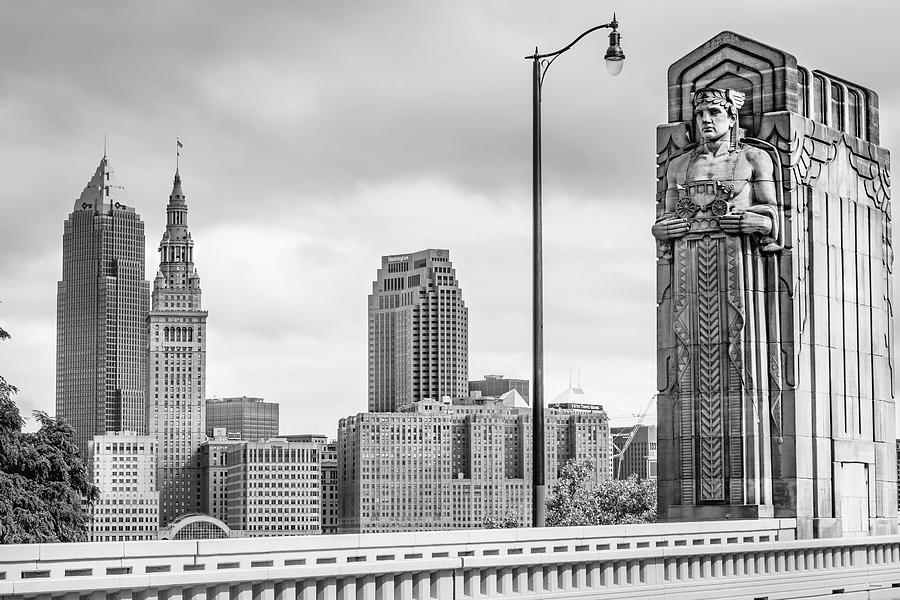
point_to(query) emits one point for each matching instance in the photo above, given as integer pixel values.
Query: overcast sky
(319, 136)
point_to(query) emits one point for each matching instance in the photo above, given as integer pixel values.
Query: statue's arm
(762, 216)
(669, 226)
(764, 200)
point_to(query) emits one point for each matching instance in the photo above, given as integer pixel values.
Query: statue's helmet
(731, 100)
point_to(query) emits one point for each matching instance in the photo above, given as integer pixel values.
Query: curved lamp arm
(614, 52)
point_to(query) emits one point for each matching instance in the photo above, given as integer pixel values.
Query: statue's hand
(670, 228)
(745, 222)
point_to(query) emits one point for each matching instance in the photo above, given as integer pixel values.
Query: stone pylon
(775, 360)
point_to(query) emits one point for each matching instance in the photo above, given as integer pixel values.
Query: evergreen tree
(43, 479)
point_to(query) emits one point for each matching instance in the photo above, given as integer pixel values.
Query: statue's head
(716, 112)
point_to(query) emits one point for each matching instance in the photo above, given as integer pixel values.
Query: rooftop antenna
(104, 145)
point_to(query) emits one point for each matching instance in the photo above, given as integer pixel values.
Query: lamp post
(541, 62)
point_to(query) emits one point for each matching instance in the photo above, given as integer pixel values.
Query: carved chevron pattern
(709, 331)
(681, 325)
(735, 383)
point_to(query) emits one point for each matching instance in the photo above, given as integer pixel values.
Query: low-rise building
(214, 474)
(123, 467)
(394, 470)
(581, 432)
(455, 464)
(273, 487)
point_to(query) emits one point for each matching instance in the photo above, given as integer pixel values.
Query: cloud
(319, 136)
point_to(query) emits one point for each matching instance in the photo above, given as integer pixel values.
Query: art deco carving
(774, 292)
(720, 227)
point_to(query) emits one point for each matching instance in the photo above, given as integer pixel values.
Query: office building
(491, 462)
(124, 471)
(639, 457)
(274, 487)
(214, 475)
(418, 331)
(581, 432)
(454, 465)
(329, 486)
(243, 418)
(176, 383)
(497, 385)
(394, 470)
(101, 310)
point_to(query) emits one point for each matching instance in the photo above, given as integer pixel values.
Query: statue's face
(713, 121)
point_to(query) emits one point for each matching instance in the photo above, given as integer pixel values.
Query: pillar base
(718, 512)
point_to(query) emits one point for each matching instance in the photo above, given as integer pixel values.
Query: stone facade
(804, 427)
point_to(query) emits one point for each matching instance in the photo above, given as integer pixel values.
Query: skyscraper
(101, 309)
(418, 331)
(176, 382)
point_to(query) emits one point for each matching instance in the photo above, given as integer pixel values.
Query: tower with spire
(101, 306)
(176, 382)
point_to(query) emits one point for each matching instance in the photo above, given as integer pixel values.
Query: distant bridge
(734, 559)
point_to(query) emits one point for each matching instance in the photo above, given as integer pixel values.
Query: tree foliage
(510, 520)
(43, 479)
(577, 500)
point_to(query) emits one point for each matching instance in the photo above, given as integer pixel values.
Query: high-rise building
(124, 470)
(497, 385)
(442, 465)
(273, 487)
(176, 382)
(243, 418)
(101, 310)
(418, 331)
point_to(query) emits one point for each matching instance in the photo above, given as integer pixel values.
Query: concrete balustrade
(748, 559)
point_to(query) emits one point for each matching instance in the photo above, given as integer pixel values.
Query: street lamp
(541, 62)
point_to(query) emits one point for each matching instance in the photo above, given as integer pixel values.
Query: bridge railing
(752, 559)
